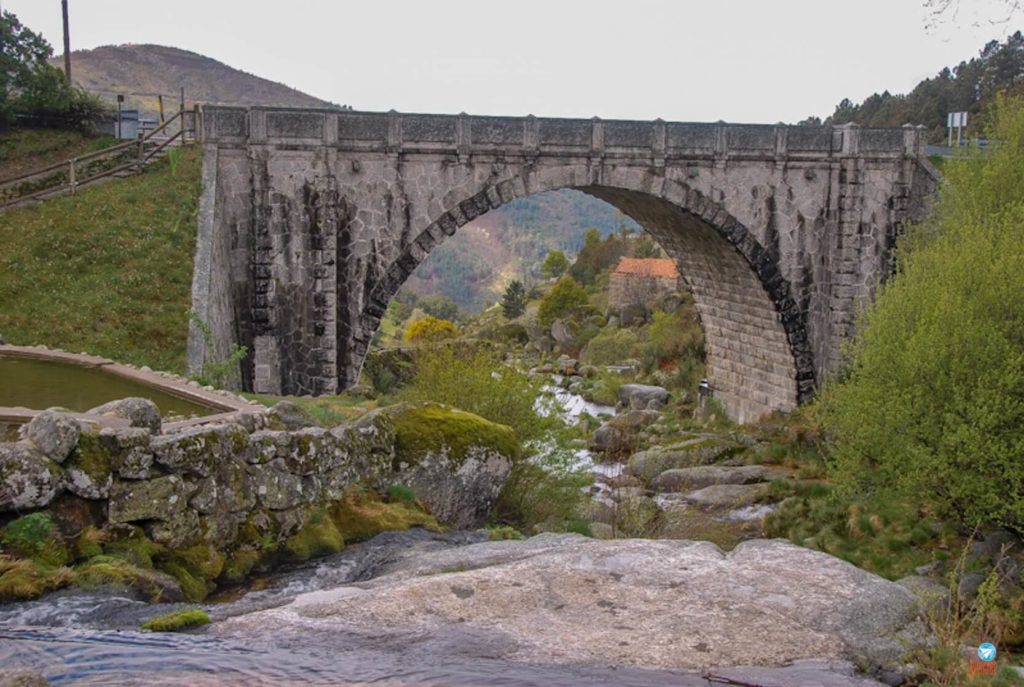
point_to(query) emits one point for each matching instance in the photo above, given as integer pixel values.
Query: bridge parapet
(394, 132)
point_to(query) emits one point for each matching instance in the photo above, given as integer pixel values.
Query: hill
(141, 72)
(970, 86)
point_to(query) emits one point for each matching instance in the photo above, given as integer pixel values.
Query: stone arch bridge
(311, 220)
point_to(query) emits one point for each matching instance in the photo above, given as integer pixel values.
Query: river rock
(28, 479)
(642, 396)
(140, 412)
(561, 331)
(54, 434)
(611, 439)
(725, 495)
(455, 462)
(688, 479)
(566, 599)
(699, 450)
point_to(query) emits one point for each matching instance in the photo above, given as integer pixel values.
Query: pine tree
(513, 303)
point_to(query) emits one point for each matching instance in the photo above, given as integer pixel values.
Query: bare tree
(943, 10)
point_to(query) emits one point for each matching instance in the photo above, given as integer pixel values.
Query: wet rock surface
(675, 605)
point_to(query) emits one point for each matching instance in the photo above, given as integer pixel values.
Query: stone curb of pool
(227, 403)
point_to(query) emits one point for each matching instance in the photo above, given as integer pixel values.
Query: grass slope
(25, 150)
(107, 271)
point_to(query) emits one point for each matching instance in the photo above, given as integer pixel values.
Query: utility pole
(67, 43)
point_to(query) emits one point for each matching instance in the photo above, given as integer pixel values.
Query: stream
(76, 638)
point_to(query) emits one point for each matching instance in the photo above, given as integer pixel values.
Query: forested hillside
(473, 267)
(970, 86)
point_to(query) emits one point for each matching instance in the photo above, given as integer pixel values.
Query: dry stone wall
(235, 482)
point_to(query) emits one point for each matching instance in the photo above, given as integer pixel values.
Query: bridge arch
(758, 352)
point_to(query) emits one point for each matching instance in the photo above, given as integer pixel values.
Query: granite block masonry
(311, 220)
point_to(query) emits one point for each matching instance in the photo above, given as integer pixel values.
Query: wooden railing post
(71, 175)
(142, 151)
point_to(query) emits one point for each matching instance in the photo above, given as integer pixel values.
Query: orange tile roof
(648, 267)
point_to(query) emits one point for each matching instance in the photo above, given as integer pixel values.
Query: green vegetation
(432, 427)
(565, 299)
(554, 265)
(218, 373)
(64, 262)
(31, 86)
(35, 536)
(971, 86)
(513, 303)
(318, 537)
(932, 403)
(361, 514)
(25, 150)
(177, 621)
(474, 379)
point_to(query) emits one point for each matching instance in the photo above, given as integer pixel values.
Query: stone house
(642, 281)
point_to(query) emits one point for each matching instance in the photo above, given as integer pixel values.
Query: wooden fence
(70, 175)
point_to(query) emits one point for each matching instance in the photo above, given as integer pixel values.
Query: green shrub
(932, 402)
(611, 346)
(474, 379)
(565, 298)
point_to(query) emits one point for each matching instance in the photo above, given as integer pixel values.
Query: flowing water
(43, 384)
(73, 638)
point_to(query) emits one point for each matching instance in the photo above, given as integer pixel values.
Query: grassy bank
(25, 150)
(107, 271)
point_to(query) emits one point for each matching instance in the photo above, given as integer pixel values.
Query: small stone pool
(35, 383)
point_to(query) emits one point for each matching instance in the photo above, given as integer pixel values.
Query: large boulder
(455, 462)
(562, 332)
(641, 396)
(54, 434)
(140, 412)
(28, 479)
(653, 604)
(697, 450)
(691, 479)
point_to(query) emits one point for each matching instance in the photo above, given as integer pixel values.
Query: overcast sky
(689, 60)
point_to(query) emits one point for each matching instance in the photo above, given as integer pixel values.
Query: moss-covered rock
(36, 537)
(110, 572)
(195, 568)
(361, 514)
(318, 537)
(88, 468)
(456, 462)
(239, 564)
(132, 545)
(177, 621)
(432, 428)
